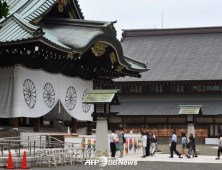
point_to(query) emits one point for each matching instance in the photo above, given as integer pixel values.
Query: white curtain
(34, 93)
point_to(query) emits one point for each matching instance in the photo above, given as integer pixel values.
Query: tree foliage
(4, 9)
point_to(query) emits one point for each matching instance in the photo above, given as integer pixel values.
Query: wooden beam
(123, 122)
(15, 122)
(167, 123)
(214, 127)
(74, 125)
(144, 122)
(89, 128)
(37, 124)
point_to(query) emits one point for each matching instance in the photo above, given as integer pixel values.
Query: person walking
(147, 145)
(219, 146)
(193, 145)
(184, 146)
(112, 143)
(144, 143)
(121, 136)
(174, 145)
(155, 141)
(152, 144)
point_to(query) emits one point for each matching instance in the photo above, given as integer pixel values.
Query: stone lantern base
(101, 138)
(190, 129)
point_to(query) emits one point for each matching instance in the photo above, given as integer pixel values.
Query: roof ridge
(11, 13)
(70, 20)
(170, 31)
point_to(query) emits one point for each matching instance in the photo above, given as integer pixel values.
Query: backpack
(124, 139)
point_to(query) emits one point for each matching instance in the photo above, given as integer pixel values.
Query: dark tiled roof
(165, 108)
(16, 29)
(167, 104)
(176, 54)
(33, 9)
(81, 34)
(68, 35)
(29, 9)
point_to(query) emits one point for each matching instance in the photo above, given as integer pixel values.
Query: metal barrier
(33, 143)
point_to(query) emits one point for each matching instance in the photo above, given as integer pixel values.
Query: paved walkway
(210, 150)
(165, 158)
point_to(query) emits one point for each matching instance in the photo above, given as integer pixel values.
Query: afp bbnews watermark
(103, 161)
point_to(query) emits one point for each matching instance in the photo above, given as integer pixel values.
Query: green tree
(3, 9)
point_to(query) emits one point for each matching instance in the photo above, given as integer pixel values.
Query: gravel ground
(142, 166)
(210, 150)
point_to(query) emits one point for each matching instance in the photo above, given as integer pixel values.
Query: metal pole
(40, 141)
(19, 148)
(28, 143)
(9, 146)
(34, 148)
(2, 149)
(30, 149)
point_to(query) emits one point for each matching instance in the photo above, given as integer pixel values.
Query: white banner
(34, 93)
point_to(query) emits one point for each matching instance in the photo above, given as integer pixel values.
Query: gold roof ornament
(61, 4)
(113, 57)
(70, 55)
(99, 48)
(119, 68)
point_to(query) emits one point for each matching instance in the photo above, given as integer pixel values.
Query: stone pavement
(140, 166)
(165, 158)
(210, 150)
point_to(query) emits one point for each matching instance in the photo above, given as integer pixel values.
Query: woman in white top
(184, 146)
(219, 146)
(144, 141)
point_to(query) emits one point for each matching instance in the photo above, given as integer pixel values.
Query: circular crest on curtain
(85, 107)
(49, 95)
(71, 97)
(29, 92)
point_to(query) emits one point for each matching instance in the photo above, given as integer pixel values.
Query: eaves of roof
(68, 35)
(17, 30)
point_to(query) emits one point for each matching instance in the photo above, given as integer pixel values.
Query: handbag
(124, 139)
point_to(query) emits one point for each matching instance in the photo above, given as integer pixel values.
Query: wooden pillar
(144, 122)
(74, 125)
(123, 122)
(52, 123)
(167, 122)
(15, 122)
(89, 128)
(214, 127)
(37, 124)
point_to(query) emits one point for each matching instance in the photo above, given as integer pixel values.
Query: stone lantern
(190, 111)
(102, 100)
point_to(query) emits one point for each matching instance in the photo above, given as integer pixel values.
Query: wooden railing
(161, 132)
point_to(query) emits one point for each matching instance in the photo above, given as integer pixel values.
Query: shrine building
(185, 71)
(49, 56)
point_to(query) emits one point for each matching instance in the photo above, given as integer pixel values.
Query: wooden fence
(161, 132)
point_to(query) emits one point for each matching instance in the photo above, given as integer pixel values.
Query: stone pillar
(37, 124)
(190, 129)
(89, 128)
(74, 125)
(123, 122)
(102, 138)
(15, 123)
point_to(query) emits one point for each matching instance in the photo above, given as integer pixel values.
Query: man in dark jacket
(148, 145)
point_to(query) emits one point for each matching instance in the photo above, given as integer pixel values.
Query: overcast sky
(134, 14)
